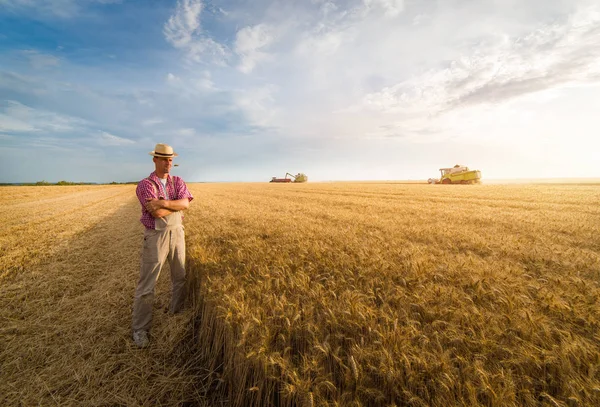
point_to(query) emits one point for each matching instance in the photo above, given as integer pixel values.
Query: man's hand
(153, 204)
(159, 208)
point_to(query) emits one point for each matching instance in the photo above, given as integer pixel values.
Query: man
(163, 198)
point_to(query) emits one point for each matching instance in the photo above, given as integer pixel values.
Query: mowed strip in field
(392, 294)
(69, 265)
(38, 221)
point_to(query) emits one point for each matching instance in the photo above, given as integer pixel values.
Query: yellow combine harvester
(300, 177)
(457, 175)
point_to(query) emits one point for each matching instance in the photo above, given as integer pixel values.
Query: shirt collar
(155, 178)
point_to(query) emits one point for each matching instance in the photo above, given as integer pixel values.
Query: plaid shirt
(176, 189)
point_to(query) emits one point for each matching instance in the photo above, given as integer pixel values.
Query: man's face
(163, 164)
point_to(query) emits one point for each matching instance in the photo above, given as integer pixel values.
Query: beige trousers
(166, 242)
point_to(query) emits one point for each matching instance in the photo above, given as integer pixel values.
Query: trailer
(300, 177)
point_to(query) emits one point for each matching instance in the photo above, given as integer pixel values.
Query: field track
(65, 304)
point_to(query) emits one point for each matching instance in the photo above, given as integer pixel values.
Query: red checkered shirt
(176, 189)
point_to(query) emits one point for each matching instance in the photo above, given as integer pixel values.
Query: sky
(338, 90)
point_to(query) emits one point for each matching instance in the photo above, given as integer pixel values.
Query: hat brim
(161, 155)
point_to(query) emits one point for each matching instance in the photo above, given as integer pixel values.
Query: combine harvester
(296, 178)
(457, 175)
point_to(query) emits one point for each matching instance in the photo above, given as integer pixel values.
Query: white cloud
(327, 7)
(322, 44)
(152, 122)
(192, 84)
(250, 41)
(206, 50)
(18, 117)
(10, 124)
(204, 81)
(172, 78)
(46, 127)
(182, 25)
(144, 99)
(390, 8)
(259, 105)
(185, 132)
(51, 8)
(40, 60)
(107, 139)
(58, 8)
(368, 76)
(183, 31)
(493, 71)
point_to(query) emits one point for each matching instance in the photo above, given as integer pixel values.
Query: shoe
(141, 338)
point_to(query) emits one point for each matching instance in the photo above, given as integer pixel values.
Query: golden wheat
(333, 294)
(372, 294)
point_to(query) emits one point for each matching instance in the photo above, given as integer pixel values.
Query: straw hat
(163, 150)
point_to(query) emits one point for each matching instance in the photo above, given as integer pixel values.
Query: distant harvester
(300, 177)
(457, 175)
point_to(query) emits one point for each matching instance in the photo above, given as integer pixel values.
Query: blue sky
(339, 90)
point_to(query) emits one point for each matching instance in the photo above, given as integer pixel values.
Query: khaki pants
(159, 246)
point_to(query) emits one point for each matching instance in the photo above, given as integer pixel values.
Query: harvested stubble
(69, 265)
(382, 295)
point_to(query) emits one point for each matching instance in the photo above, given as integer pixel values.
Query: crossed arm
(160, 208)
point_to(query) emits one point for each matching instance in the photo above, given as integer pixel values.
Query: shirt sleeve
(145, 190)
(181, 190)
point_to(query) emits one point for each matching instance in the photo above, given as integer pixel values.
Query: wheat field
(337, 294)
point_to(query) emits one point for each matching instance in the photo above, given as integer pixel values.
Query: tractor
(457, 175)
